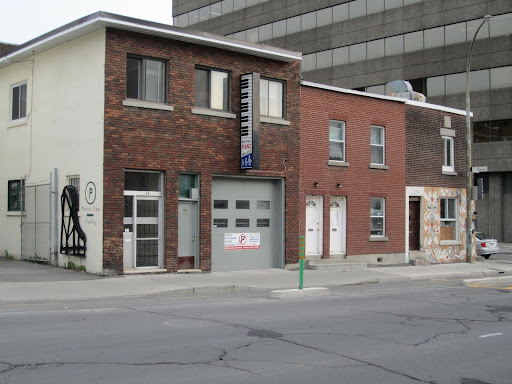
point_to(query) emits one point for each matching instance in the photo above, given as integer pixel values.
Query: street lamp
(469, 226)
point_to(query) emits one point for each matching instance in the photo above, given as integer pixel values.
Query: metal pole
(301, 262)
(469, 211)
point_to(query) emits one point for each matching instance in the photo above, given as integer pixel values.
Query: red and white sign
(233, 241)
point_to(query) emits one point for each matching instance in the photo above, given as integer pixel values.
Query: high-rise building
(365, 44)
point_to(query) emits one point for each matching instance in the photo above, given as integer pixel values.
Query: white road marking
(492, 334)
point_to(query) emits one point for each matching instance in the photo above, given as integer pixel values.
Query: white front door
(314, 227)
(338, 225)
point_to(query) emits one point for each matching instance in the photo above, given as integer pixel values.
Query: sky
(23, 20)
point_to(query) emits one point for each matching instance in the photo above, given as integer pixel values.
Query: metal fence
(36, 221)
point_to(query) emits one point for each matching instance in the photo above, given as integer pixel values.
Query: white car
(486, 246)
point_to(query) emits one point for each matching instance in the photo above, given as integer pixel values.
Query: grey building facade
(365, 44)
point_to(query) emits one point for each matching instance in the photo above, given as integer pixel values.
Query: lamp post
(469, 226)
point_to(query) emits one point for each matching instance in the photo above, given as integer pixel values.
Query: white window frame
(444, 211)
(334, 124)
(75, 182)
(378, 214)
(142, 78)
(448, 155)
(212, 95)
(381, 146)
(21, 102)
(20, 195)
(269, 89)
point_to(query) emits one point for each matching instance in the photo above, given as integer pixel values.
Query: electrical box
(194, 193)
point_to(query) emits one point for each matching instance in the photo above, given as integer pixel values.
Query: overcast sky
(23, 20)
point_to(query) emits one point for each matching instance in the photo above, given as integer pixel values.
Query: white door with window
(338, 226)
(314, 227)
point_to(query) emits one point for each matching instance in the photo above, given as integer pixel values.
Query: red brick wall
(425, 148)
(179, 141)
(359, 183)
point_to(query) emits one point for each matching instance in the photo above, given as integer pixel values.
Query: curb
(306, 292)
(498, 279)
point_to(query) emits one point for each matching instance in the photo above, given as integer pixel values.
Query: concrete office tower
(364, 44)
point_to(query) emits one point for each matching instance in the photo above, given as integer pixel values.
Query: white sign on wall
(233, 241)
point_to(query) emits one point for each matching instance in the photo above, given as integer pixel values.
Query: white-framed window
(336, 140)
(378, 145)
(449, 219)
(19, 101)
(212, 89)
(146, 79)
(377, 216)
(448, 162)
(272, 98)
(15, 195)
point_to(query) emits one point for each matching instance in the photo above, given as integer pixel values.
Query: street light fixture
(469, 226)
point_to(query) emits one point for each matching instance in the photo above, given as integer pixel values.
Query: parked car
(485, 246)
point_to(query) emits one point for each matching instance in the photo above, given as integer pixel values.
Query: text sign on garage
(233, 241)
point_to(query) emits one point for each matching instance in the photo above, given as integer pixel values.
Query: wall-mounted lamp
(338, 185)
(316, 183)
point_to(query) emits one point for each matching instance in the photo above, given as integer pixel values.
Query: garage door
(247, 217)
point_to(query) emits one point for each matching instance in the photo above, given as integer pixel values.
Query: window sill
(449, 173)
(274, 120)
(147, 104)
(378, 166)
(17, 123)
(378, 238)
(14, 213)
(450, 242)
(213, 112)
(337, 163)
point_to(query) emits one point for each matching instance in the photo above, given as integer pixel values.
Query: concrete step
(322, 264)
(418, 258)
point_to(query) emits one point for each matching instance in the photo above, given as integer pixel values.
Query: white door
(338, 221)
(187, 235)
(314, 227)
(142, 232)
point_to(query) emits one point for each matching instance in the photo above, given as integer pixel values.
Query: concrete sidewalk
(22, 281)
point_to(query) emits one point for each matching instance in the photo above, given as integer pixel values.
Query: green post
(301, 262)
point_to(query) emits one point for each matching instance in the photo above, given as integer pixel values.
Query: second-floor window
(146, 79)
(212, 89)
(337, 140)
(271, 98)
(448, 165)
(19, 101)
(377, 145)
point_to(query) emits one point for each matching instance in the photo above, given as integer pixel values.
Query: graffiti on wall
(437, 250)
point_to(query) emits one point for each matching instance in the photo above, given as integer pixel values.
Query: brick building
(369, 162)
(145, 121)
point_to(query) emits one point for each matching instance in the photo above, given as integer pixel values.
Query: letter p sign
(90, 193)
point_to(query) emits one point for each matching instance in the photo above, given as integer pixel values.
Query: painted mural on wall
(443, 223)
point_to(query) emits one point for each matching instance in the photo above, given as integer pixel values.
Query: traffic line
(492, 334)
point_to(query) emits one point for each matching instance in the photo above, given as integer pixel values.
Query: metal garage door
(247, 220)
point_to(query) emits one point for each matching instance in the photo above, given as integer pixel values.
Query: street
(408, 332)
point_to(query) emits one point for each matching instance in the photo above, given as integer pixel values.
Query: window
(449, 219)
(377, 215)
(448, 154)
(377, 145)
(271, 98)
(212, 89)
(337, 140)
(75, 182)
(146, 79)
(19, 101)
(15, 195)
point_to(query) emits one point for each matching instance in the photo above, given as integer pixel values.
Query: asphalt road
(416, 332)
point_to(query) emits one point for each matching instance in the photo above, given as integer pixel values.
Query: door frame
(319, 200)
(343, 208)
(144, 195)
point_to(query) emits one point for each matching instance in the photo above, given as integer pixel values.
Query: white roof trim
(382, 97)
(101, 20)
